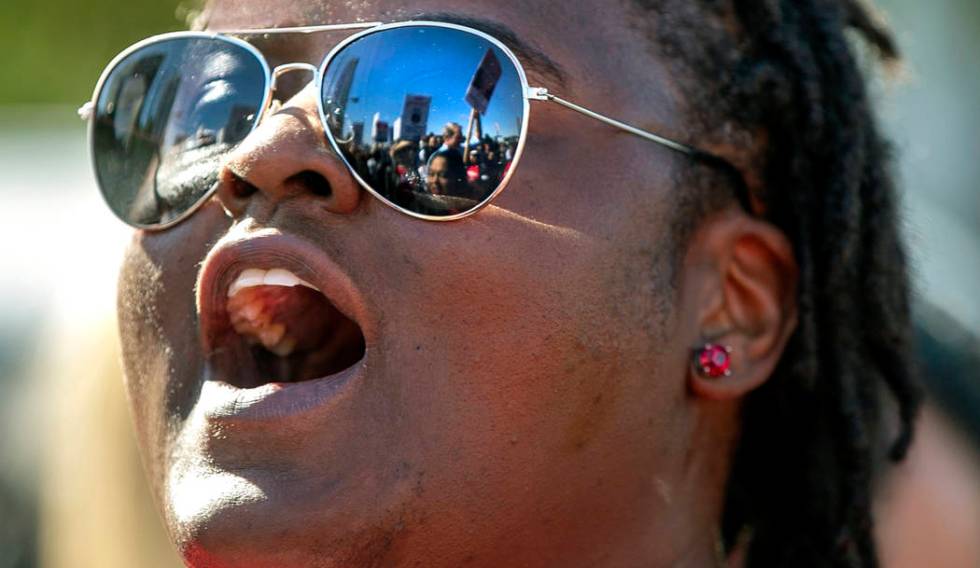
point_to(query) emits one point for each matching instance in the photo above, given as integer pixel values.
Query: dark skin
(528, 398)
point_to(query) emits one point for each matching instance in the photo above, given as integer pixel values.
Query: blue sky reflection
(434, 62)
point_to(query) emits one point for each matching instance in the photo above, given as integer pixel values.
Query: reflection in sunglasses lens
(428, 117)
(165, 117)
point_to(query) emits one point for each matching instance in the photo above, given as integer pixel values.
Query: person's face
(438, 176)
(404, 156)
(453, 138)
(517, 401)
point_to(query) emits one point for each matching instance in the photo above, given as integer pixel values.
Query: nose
(287, 156)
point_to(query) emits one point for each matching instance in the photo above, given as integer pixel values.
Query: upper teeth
(275, 277)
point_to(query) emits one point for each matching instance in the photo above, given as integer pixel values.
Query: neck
(706, 552)
(704, 476)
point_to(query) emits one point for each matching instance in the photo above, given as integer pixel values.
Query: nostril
(313, 182)
(241, 189)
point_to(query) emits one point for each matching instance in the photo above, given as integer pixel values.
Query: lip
(267, 249)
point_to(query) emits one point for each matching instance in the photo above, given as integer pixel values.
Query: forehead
(598, 46)
(268, 13)
(522, 29)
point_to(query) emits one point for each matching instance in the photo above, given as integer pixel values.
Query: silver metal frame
(526, 111)
(529, 93)
(87, 111)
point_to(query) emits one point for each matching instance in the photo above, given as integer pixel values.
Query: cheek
(510, 356)
(598, 180)
(158, 328)
(498, 288)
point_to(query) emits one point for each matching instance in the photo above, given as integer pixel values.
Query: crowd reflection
(436, 173)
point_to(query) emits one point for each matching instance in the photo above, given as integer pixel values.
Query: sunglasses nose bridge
(281, 70)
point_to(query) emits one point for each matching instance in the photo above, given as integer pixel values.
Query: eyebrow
(532, 58)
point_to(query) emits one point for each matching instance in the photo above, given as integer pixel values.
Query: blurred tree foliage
(54, 50)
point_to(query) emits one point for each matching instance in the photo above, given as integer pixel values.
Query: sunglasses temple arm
(544, 95)
(741, 188)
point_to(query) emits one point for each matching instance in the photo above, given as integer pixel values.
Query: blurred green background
(54, 50)
(68, 498)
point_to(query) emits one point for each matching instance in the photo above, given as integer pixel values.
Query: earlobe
(750, 309)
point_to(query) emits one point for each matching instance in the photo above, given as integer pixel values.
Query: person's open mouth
(292, 331)
(276, 316)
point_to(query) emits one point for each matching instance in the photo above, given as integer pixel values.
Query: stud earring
(713, 361)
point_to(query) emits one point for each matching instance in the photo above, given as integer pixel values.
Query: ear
(738, 285)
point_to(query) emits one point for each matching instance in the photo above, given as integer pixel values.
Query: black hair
(782, 76)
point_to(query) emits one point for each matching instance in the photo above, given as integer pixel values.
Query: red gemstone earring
(713, 361)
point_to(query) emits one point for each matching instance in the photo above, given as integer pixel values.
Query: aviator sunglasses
(429, 117)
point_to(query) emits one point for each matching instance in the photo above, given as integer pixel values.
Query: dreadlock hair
(781, 75)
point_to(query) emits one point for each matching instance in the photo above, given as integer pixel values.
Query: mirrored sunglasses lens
(165, 117)
(428, 117)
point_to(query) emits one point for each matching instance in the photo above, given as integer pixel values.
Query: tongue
(282, 319)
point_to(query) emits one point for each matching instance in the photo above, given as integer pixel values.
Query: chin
(220, 519)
